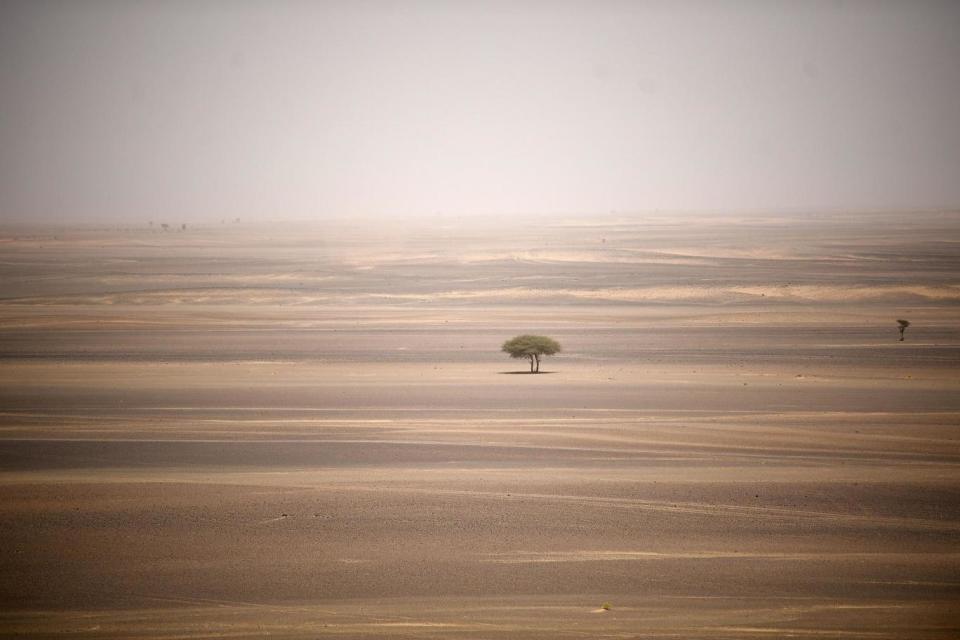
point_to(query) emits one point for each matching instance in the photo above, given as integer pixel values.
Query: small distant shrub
(903, 325)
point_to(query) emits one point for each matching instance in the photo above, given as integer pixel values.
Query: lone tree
(903, 325)
(531, 347)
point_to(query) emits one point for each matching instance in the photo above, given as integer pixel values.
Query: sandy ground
(309, 431)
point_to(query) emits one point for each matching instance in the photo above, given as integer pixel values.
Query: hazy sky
(202, 110)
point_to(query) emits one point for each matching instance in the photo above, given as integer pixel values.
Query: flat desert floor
(235, 431)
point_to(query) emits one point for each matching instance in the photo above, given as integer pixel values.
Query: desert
(309, 430)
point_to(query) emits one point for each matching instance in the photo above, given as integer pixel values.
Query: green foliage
(605, 606)
(530, 346)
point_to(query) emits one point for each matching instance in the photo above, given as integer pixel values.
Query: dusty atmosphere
(309, 430)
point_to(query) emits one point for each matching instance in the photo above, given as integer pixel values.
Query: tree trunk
(531, 364)
(538, 362)
(901, 333)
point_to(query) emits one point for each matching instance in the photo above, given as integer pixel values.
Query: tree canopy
(903, 324)
(531, 347)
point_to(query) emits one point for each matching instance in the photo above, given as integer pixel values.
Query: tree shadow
(524, 373)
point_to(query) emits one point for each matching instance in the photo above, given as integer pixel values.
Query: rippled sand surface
(309, 431)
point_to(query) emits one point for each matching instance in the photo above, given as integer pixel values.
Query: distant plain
(307, 429)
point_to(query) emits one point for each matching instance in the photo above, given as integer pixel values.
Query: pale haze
(289, 110)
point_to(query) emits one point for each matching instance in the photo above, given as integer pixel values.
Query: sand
(309, 431)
